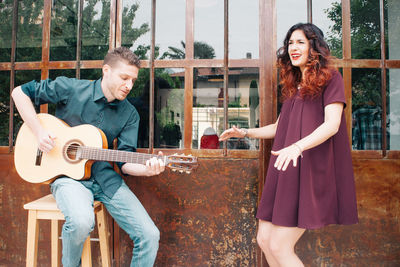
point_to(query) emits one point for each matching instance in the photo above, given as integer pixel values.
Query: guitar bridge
(39, 155)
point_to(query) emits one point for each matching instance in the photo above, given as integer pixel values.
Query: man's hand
(46, 141)
(154, 166)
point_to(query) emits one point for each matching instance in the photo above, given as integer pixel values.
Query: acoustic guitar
(75, 150)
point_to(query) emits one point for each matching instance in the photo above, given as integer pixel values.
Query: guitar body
(44, 168)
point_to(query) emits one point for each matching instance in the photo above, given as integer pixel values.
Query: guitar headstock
(181, 163)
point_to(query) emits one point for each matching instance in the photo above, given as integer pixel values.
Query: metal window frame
(265, 63)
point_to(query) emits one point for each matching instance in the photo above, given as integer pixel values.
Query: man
(101, 103)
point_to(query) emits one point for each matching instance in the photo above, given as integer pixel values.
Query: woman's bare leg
(264, 239)
(282, 243)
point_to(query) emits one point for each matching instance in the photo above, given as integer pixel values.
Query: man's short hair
(121, 54)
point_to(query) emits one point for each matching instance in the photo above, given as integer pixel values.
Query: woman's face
(299, 48)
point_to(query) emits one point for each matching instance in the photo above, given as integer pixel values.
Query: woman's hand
(286, 155)
(233, 132)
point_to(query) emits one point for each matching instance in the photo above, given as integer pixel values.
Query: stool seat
(45, 208)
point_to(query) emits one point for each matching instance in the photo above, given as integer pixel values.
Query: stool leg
(103, 238)
(55, 247)
(32, 239)
(87, 254)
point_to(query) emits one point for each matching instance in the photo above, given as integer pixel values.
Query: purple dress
(320, 190)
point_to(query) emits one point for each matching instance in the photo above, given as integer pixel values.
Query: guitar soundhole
(72, 151)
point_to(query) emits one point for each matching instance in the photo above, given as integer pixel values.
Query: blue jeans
(75, 201)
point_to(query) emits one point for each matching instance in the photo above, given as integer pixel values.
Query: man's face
(118, 80)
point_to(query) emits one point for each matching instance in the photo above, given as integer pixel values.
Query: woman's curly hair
(318, 68)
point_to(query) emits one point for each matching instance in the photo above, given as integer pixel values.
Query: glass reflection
(392, 22)
(243, 106)
(91, 74)
(327, 15)
(95, 29)
(29, 33)
(168, 107)
(136, 26)
(4, 106)
(287, 17)
(243, 29)
(170, 25)
(209, 29)
(169, 87)
(208, 106)
(366, 109)
(63, 32)
(365, 29)
(208, 109)
(6, 16)
(393, 109)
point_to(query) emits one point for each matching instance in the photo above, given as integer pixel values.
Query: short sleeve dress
(320, 190)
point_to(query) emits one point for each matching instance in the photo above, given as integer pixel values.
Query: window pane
(367, 109)
(91, 74)
(243, 107)
(5, 107)
(139, 97)
(170, 25)
(29, 35)
(393, 109)
(21, 77)
(6, 16)
(287, 17)
(95, 29)
(209, 29)
(63, 32)
(169, 107)
(327, 15)
(136, 26)
(208, 107)
(392, 22)
(365, 29)
(243, 29)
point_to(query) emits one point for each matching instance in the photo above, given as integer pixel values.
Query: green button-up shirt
(83, 102)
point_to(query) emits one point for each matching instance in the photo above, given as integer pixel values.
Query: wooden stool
(45, 208)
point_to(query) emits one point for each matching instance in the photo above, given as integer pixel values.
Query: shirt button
(100, 119)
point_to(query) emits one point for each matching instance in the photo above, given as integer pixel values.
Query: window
(197, 55)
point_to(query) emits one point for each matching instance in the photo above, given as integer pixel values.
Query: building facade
(210, 63)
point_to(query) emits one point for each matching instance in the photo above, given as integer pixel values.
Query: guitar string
(118, 154)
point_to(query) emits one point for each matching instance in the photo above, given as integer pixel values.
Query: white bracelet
(301, 151)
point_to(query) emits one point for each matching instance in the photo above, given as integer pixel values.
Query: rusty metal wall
(207, 218)
(375, 241)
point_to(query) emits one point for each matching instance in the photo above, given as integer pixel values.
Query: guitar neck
(101, 154)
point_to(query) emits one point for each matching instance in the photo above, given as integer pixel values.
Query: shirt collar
(99, 95)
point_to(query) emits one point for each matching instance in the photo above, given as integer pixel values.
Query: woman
(317, 189)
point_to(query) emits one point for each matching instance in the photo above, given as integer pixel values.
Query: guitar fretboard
(102, 154)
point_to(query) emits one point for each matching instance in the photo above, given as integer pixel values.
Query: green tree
(63, 41)
(365, 44)
(201, 51)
